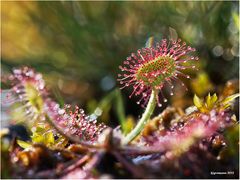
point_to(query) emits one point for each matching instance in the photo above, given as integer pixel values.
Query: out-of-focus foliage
(212, 101)
(40, 135)
(79, 45)
(207, 105)
(201, 84)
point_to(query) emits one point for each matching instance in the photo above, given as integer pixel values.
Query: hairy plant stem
(70, 137)
(145, 117)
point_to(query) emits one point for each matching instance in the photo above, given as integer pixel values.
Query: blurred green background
(78, 46)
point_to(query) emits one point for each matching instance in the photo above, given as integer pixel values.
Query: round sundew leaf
(156, 67)
(156, 71)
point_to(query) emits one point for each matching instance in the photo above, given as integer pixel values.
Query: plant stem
(145, 117)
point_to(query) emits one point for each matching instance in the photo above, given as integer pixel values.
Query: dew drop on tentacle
(162, 96)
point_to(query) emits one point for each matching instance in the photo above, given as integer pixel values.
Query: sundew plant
(67, 136)
(182, 127)
(150, 70)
